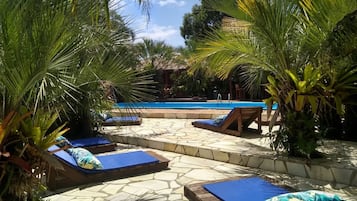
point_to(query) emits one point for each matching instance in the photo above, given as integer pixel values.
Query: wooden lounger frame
(69, 176)
(242, 117)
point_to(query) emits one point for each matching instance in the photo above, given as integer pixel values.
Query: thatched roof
(232, 24)
(162, 63)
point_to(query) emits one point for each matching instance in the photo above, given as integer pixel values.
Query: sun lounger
(122, 121)
(246, 188)
(235, 122)
(94, 144)
(115, 166)
(251, 188)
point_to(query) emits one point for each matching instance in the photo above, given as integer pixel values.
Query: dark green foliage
(199, 23)
(199, 84)
(330, 123)
(297, 135)
(343, 40)
(187, 85)
(350, 125)
(342, 45)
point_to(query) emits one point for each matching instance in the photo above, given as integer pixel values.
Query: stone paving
(168, 185)
(251, 150)
(218, 156)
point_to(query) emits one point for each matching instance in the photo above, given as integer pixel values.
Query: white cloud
(158, 33)
(174, 2)
(152, 29)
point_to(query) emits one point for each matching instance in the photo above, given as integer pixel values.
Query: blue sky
(165, 19)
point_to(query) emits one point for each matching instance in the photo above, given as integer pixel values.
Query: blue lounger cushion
(110, 161)
(93, 141)
(210, 122)
(129, 159)
(253, 188)
(218, 121)
(122, 119)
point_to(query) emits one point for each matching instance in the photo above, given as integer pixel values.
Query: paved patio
(251, 150)
(217, 156)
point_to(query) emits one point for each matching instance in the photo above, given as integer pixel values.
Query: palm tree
(284, 42)
(154, 54)
(53, 61)
(156, 57)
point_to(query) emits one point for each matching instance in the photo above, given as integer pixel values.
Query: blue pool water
(191, 105)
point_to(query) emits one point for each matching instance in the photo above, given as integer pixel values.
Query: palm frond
(38, 59)
(225, 50)
(129, 83)
(321, 18)
(228, 7)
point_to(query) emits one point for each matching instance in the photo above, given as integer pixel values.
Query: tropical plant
(54, 55)
(287, 40)
(23, 159)
(154, 54)
(298, 102)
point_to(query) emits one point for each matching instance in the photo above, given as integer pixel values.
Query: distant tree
(153, 54)
(156, 57)
(197, 24)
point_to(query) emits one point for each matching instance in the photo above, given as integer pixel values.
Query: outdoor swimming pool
(191, 105)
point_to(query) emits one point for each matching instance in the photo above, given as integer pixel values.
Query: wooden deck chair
(122, 121)
(267, 121)
(237, 188)
(235, 122)
(115, 166)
